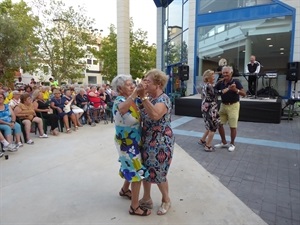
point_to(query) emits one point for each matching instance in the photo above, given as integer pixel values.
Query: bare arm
(156, 111)
(124, 106)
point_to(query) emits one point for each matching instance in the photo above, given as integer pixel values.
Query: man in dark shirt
(252, 69)
(230, 91)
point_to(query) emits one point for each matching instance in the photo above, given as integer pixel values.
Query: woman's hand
(141, 90)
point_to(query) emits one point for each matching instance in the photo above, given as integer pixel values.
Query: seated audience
(58, 103)
(15, 99)
(82, 102)
(78, 111)
(8, 123)
(43, 109)
(25, 112)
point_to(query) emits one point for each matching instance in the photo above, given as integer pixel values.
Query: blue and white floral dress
(128, 142)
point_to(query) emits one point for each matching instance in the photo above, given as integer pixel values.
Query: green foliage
(65, 34)
(18, 41)
(142, 56)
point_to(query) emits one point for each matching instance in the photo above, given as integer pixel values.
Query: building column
(123, 37)
(248, 52)
(160, 38)
(191, 83)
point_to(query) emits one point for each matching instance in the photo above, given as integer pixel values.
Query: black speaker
(293, 71)
(183, 72)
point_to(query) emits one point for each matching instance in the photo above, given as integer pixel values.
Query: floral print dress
(128, 142)
(158, 142)
(210, 107)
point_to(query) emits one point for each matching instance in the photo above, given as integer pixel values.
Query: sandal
(201, 142)
(146, 212)
(76, 128)
(30, 142)
(146, 204)
(68, 131)
(126, 194)
(164, 208)
(209, 148)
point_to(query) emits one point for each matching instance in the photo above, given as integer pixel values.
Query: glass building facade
(232, 30)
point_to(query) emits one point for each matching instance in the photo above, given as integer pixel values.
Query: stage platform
(263, 110)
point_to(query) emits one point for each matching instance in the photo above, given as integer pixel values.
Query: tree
(142, 56)
(65, 35)
(18, 41)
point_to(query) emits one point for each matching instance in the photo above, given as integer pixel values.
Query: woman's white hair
(119, 81)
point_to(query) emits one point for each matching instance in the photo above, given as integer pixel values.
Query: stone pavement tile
(296, 210)
(255, 206)
(233, 186)
(295, 195)
(269, 207)
(270, 195)
(236, 179)
(268, 216)
(225, 180)
(284, 212)
(283, 221)
(258, 188)
(296, 222)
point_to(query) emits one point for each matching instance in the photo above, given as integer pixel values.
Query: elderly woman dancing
(209, 110)
(157, 136)
(128, 141)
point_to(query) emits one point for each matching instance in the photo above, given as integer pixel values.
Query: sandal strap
(145, 211)
(125, 192)
(164, 208)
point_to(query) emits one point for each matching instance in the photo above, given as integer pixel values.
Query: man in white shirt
(252, 68)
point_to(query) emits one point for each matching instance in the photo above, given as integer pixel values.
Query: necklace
(154, 99)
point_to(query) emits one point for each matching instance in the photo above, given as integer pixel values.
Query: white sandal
(30, 142)
(164, 208)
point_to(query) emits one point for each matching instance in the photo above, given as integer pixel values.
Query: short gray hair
(229, 68)
(119, 81)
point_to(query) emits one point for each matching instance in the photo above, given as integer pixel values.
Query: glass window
(185, 21)
(208, 6)
(174, 50)
(95, 62)
(236, 42)
(185, 41)
(89, 61)
(92, 80)
(175, 13)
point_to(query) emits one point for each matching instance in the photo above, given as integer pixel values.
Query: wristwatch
(238, 91)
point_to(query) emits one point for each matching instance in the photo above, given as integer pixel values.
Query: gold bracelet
(144, 98)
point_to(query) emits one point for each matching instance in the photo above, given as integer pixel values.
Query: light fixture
(281, 49)
(270, 46)
(209, 11)
(281, 53)
(269, 39)
(219, 56)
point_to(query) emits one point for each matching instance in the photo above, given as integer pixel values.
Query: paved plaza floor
(73, 179)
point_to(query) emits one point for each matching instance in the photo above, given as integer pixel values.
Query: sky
(104, 12)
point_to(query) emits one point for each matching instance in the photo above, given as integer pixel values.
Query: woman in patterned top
(128, 141)
(209, 110)
(157, 136)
